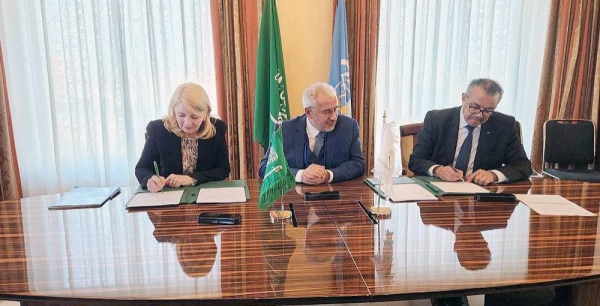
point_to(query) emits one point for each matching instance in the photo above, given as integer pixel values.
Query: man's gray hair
(316, 90)
(490, 86)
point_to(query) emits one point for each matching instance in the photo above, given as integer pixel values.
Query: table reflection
(384, 258)
(467, 220)
(195, 245)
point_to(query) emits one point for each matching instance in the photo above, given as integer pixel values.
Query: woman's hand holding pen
(156, 183)
(448, 173)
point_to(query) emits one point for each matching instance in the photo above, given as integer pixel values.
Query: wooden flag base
(381, 211)
(280, 215)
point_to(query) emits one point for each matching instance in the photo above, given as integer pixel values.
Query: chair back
(569, 144)
(408, 139)
(519, 131)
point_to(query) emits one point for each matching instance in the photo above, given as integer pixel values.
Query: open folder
(85, 197)
(373, 183)
(440, 188)
(234, 191)
(405, 189)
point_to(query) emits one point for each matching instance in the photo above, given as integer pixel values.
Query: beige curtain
(236, 26)
(363, 22)
(10, 182)
(235, 32)
(570, 82)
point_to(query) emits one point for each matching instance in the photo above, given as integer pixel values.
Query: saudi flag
(278, 179)
(271, 99)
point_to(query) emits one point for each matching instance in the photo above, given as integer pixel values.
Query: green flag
(279, 179)
(271, 99)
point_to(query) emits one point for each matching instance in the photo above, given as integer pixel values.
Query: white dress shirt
(311, 133)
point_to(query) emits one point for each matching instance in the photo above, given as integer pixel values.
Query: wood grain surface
(333, 253)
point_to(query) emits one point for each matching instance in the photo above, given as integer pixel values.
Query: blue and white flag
(339, 73)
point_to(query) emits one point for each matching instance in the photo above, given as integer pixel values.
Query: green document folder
(190, 193)
(465, 189)
(425, 182)
(373, 183)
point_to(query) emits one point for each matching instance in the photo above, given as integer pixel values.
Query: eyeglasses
(477, 110)
(329, 112)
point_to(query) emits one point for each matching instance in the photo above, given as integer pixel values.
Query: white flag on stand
(385, 165)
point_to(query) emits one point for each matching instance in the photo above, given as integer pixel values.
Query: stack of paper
(222, 195)
(459, 188)
(552, 205)
(410, 193)
(149, 199)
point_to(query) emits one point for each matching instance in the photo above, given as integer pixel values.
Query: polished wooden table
(333, 252)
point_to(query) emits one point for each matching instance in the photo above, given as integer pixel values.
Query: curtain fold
(443, 45)
(363, 22)
(570, 81)
(10, 182)
(237, 21)
(85, 78)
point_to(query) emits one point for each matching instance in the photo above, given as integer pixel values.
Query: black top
(164, 147)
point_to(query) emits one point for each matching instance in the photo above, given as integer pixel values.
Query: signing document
(411, 192)
(150, 199)
(222, 195)
(459, 187)
(552, 205)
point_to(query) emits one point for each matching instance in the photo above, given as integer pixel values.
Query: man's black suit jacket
(499, 145)
(164, 147)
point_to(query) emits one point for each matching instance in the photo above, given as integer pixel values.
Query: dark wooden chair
(408, 139)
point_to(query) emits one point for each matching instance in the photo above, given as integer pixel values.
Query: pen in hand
(156, 170)
(456, 170)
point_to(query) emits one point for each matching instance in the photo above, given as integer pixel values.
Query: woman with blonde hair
(187, 147)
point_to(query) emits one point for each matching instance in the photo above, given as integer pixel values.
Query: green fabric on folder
(373, 183)
(190, 193)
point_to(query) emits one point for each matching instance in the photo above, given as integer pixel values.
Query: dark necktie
(462, 161)
(319, 141)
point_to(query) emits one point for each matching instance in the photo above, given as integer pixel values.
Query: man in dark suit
(321, 146)
(471, 142)
(494, 153)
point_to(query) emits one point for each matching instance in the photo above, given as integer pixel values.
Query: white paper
(411, 192)
(459, 187)
(222, 195)
(150, 199)
(552, 205)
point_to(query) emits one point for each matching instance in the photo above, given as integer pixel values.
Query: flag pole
(382, 212)
(281, 215)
